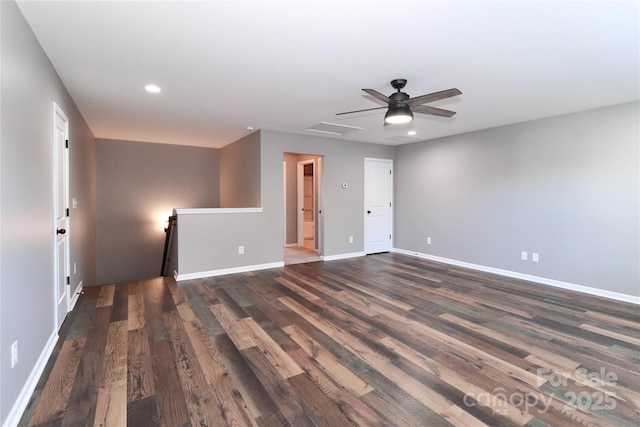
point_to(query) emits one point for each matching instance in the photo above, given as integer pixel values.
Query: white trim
(284, 201)
(75, 296)
(223, 271)
(27, 390)
(342, 256)
(542, 280)
(216, 211)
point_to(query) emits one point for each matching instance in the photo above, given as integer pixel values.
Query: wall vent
(333, 128)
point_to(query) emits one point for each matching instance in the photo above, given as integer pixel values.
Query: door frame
(367, 160)
(62, 303)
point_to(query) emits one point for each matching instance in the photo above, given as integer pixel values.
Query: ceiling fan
(401, 107)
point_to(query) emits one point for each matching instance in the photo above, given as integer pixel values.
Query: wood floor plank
(111, 408)
(496, 403)
(382, 340)
(143, 412)
(232, 406)
(115, 355)
(297, 289)
(246, 383)
(379, 360)
(135, 306)
(172, 406)
(90, 376)
(55, 395)
(350, 405)
(120, 303)
(139, 367)
(628, 338)
(239, 332)
(105, 299)
(326, 411)
(293, 406)
(200, 308)
(199, 398)
(338, 372)
(274, 353)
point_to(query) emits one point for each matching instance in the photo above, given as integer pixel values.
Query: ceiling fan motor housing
(398, 97)
(398, 83)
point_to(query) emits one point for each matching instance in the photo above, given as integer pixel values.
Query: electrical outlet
(428, 240)
(524, 255)
(75, 268)
(535, 257)
(14, 354)
(350, 239)
(240, 250)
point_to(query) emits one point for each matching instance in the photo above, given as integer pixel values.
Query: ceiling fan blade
(378, 95)
(424, 109)
(359, 111)
(422, 99)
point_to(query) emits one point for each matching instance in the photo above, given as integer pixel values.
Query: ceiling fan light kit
(399, 103)
(398, 115)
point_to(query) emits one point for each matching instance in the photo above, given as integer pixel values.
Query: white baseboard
(342, 256)
(542, 280)
(223, 271)
(75, 296)
(27, 390)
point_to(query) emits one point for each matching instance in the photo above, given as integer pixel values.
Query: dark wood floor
(379, 340)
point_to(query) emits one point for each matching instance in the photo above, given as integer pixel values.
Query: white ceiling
(288, 65)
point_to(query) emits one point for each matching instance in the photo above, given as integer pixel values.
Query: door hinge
(389, 171)
(68, 280)
(389, 236)
(66, 143)
(67, 211)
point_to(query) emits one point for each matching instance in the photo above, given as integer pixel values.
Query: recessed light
(411, 132)
(152, 88)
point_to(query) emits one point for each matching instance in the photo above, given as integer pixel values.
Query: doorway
(303, 208)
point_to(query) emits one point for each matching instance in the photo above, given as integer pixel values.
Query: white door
(61, 212)
(378, 221)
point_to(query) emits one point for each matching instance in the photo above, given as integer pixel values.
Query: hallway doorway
(303, 228)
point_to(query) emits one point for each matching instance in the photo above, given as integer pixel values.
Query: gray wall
(207, 244)
(565, 187)
(210, 241)
(240, 173)
(343, 209)
(29, 85)
(138, 186)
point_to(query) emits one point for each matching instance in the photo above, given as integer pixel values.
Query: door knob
(61, 231)
(368, 212)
